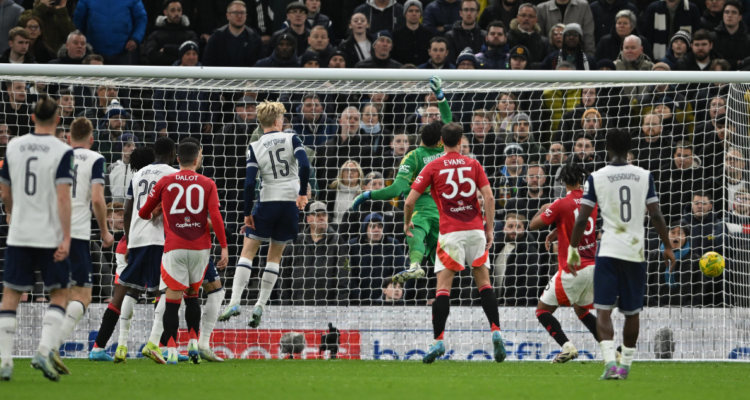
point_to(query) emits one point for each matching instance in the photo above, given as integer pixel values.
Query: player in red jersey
(464, 237)
(569, 286)
(187, 199)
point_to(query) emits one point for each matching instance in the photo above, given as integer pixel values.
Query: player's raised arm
(538, 222)
(153, 200)
(64, 180)
(587, 207)
(436, 85)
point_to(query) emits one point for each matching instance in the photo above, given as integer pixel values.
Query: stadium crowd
(355, 141)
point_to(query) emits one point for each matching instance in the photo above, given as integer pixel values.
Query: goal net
(690, 131)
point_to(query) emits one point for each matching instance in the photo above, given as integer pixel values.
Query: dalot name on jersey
(186, 178)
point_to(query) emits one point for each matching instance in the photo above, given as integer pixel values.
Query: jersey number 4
(461, 179)
(188, 198)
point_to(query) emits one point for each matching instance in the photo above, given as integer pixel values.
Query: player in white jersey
(284, 171)
(87, 195)
(624, 193)
(145, 249)
(35, 180)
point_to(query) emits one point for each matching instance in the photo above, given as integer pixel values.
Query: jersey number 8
(188, 199)
(461, 179)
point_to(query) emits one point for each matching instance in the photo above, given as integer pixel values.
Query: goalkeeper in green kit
(426, 219)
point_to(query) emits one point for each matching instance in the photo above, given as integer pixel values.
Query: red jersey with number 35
(564, 212)
(455, 181)
(187, 198)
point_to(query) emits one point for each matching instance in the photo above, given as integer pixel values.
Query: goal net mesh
(692, 137)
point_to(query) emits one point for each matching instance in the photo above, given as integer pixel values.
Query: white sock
(51, 323)
(241, 278)
(126, 315)
(608, 351)
(73, 314)
(158, 327)
(7, 333)
(267, 282)
(210, 315)
(627, 356)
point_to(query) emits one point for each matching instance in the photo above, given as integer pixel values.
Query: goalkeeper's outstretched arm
(436, 85)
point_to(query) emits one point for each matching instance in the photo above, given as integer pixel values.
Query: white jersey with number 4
(143, 232)
(34, 165)
(88, 170)
(273, 154)
(622, 192)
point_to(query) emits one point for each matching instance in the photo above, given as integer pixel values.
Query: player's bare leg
(440, 311)
(606, 332)
(544, 315)
(109, 321)
(215, 294)
(267, 282)
(8, 324)
(172, 324)
(80, 298)
(51, 323)
(489, 305)
(629, 339)
(241, 277)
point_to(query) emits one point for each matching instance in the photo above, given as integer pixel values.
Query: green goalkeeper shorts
(428, 220)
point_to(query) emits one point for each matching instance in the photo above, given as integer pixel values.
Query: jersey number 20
(461, 179)
(188, 198)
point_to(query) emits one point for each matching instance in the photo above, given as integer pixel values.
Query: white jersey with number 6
(622, 192)
(273, 154)
(146, 232)
(34, 165)
(88, 170)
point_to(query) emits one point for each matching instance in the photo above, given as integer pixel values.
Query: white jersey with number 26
(143, 232)
(622, 192)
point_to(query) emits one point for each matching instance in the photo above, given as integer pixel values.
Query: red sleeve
(215, 213)
(551, 214)
(154, 198)
(481, 180)
(423, 181)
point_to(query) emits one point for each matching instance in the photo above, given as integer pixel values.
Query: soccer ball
(712, 264)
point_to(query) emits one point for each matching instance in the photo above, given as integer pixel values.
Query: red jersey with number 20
(187, 199)
(564, 212)
(455, 181)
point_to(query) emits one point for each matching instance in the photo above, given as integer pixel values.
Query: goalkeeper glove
(360, 199)
(436, 85)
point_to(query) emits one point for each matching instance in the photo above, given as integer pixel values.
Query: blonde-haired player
(284, 171)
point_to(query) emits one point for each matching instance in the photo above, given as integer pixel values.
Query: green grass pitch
(359, 380)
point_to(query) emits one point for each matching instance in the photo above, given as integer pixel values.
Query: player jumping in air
(87, 195)
(464, 238)
(568, 287)
(623, 193)
(284, 173)
(189, 198)
(145, 249)
(426, 221)
(35, 180)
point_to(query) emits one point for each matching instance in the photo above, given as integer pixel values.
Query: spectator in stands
(509, 176)
(439, 54)
(679, 45)
(119, 173)
(733, 180)
(38, 47)
(410, 40)
(499, 10)
(712, 15)
(680, 286)
(10, 14)
(467, 60)
(374, 257)
(315, 18)
(234, 44)
(525, 31)
(97, 111)
(716, 144)
(353, 222)
(572, 51)
(632, 57)
(110, 130)
(392, 157)
(717, 107)
(296, 16)
(374, 133)
(516, 263)
(319, 43)
(284, 55)
(662, 19)
(568, 12)
(310, 60)
(393, 293)
(312, 125)
(606, 13)
(244, 121)
(732, 42)
(340, 193)
(338, 60)
(555, 158)
(54, 19)
(383, 15)
(466, 32)
(701, 220)
(171, 31)
(309, 267)
(496, 54)
(555, 36)
(610, 45)
(521, 134)
(572, 121)
(75, 50)
(17, 53)
(213, 15)
(505, 110)
(116, 216)
(466, 148)
(677, 179)
(518, 59)
(533, 196)
(381, 53)
(485, 143)
(5, 136)
(347, 144)
(702, 54)
(117, 42)
(358, 46)
(67, 107)
(650, 148)
(585, 153)
(441, 15)
(16, 109)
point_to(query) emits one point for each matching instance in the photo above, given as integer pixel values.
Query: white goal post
(692, 130)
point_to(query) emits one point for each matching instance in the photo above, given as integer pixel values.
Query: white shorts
(121, 264)
(455, 249)
(565, 289)
(182, 269)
